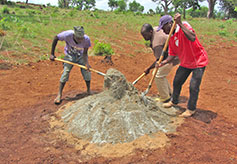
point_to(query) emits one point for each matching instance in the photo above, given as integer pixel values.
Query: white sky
(101, 4)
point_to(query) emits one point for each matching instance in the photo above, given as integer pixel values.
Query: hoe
(143, 94)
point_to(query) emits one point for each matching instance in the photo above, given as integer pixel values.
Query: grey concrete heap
(116, 115)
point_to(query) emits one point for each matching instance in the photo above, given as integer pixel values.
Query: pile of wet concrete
(116, 115)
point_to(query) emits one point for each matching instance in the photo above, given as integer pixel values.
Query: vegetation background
(26, 31)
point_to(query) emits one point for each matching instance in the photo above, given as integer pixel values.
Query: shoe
(187, 113)
(57, 100)
(168, 104)
(162, 100)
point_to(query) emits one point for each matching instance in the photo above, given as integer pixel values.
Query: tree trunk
(211, 5)
(184, 13)
(26, 1)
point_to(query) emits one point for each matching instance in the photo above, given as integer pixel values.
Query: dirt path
(26, 104)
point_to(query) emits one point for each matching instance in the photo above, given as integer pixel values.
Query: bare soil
(26, 106)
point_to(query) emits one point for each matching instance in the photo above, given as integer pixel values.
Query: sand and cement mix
(116, 115)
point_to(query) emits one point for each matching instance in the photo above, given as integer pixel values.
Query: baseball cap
(163, 20)
(79, 31)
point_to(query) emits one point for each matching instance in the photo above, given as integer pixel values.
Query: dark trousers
(179, 79)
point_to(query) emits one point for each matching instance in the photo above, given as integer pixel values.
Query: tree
(3, 2)
(63, 3)
(185, 4)
(122, 5)
(229, 7)
(136, 7)
(164, 3)
(83, 4)
(113, 4)
(26, 1)
(211, 6)
(151, 12)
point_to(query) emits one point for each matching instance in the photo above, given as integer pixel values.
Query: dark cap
(163, 20)
(79, 31)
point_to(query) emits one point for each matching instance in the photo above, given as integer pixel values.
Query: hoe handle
(81, 66)
(162, 54)
(141, 76)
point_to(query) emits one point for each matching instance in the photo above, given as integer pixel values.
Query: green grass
(30, 31)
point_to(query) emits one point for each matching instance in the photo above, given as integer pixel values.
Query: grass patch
(30, 31)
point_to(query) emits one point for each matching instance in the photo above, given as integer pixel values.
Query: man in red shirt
(193, 59)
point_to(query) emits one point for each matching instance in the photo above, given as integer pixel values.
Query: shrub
(102, 49)
(147, 43)
(235, 34)
(221, 26)
(222, 33)
(3, 24)
(5, 10)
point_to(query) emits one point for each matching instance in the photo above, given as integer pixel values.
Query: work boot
(159, 99)
(168, 104)
(187, 113)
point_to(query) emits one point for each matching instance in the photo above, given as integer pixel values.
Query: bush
(102, 49)
(147, 43)
(5, 10)
(235, 34)
(222, 26)
(3, 24)
(223, 33)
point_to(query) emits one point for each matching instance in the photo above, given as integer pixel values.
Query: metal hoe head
(143, 96)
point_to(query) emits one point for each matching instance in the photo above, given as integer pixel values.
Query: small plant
(44, 57)
(102, 49)
(222, 33)
(31, 13)
(3, 24)
(147, 43)
(61, 56)
(229, 21)
(5, 10)
(222, 26)
(72, 12)
(235, 34)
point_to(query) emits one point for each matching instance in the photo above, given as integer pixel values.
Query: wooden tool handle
(163, 52)
(81, 66)
(141, 76)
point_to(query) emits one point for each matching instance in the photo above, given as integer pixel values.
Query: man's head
(79, 32)
(147, 31)
(166, 22)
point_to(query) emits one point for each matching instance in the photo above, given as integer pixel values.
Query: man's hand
(177, 18)
(161, 64)
(147, 70)
(52, 57)
(88, 66)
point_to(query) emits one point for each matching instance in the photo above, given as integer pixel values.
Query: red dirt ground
(26, 105)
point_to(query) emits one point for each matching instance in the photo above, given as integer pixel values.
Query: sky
(102, 4)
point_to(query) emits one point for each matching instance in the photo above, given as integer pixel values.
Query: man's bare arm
(54, 44)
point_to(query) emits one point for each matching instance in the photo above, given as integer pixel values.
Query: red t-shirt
(191, 54)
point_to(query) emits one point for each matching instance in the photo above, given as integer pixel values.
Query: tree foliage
(229, 8)
(3, 2)
(113, 4)
(136, 7)
(165, 4)
(79, 4)
(83, 4)
(185, 4)
(63, 3)
(122, 5)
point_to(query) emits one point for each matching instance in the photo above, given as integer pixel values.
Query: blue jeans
(179, 79)
(67, 67)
